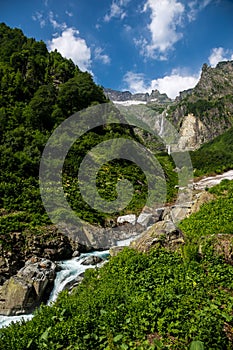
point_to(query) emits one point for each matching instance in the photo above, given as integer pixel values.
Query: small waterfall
(168, 147)
(70, 269)
(161, 131)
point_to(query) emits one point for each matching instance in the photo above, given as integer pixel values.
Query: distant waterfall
(161, 131)
(168, 147)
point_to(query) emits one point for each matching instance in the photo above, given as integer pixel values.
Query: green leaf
(197, 345)
(117, 338)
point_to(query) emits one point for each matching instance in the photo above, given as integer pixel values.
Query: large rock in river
(25, 291)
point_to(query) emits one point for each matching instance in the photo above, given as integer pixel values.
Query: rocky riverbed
(28, 274)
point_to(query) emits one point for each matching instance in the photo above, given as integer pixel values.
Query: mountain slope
(215, 156)
(206, 111)
(200, 114)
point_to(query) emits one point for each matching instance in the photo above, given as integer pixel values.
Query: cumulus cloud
(174, 83)
(218, 54)
(100, 56)
(70, 45)
(117, 10)
(165, 18)
(171, 84)
(135, 82)
(166, 25)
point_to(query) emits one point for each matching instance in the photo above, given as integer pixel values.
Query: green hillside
(159, 300)
(215, 156)
(39, 90)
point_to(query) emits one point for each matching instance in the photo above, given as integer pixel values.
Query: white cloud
(174, 83)
(56, 24)
(218, 54)
(166, 16)
(100, 56)
(196, 6)
(171, 84)
(70, 14)
(135, 82)
(117, 10)
(40, 18)
(166, 25)
(70, 45)
(127, 28)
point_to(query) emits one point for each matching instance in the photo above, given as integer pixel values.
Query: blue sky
(135, 45)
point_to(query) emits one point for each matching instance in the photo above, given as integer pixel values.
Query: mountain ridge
(144, 97)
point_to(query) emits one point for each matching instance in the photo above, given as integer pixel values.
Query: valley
(169, 284)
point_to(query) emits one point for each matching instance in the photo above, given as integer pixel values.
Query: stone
(113, 251)
(25, 291)
(127, 219)
(74, 283)
(161, 234)
(76, 254)
(145, 219)
(92, 260)
(201, 198)
(179, 212)
(99, 238)
(222, 245)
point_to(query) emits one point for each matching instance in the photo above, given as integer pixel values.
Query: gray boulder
(131, 219)
(74, 283)
(92, 260)
(161, 234)
(22, 293)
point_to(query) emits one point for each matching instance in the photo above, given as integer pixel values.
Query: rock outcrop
(165, 232)
(22, 293)
(98, 238)
(162, 234)
(48, 243)
(222, 245)
(193, 133)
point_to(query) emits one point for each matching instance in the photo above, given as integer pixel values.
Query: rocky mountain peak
(215, 82)
(127, 96)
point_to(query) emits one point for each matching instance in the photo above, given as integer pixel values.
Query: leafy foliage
(215, 156)
(131, 300)
(213, 217)
(161, 300)
(38, 91)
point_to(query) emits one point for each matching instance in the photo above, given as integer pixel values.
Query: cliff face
(203, 113)
(215, 82)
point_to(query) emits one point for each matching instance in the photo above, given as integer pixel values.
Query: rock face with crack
(25, 291)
